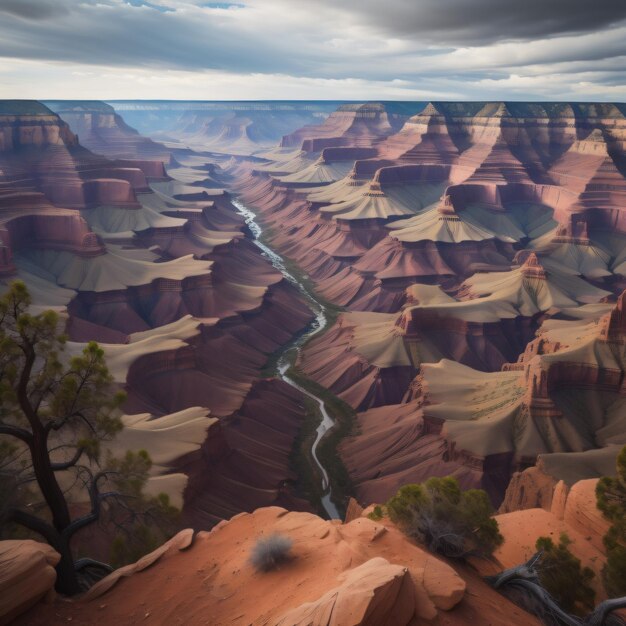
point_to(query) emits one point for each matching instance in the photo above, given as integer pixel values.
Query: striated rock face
(350, 125)
(478, 251)
(245, 461)
(25, 123)
(103, 131)
(492, 164)
(478, 426)
(360, 573)
(158, 269)
(487, 235)
(27, 575)
(582, 514)
(234, 128)
(45, 173)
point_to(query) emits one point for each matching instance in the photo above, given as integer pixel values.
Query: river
(290, 351)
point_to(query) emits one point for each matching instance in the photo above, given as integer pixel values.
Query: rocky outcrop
(374, 593)
(530, 489)
(180, 541)
(570, 510)
(495, 165)
(360, 125)
(27, 576)
(26, 123)
(160, 272)
(103, 131)
(359, 573)
(581, 513)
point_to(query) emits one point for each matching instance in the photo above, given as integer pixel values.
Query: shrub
(562, 576)
(269, 552)
(377, 514)
(449, 521)
(611, 500)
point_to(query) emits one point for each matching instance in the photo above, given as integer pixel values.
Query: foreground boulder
(27, 575)
(373, 594)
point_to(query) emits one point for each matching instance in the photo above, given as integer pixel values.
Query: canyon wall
(478, 246)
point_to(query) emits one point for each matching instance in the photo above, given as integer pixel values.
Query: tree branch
(602, 611)
(96, 500)
(57, 467)
(59, 423)
(91, 517)
(84, 379)
(16, 431)
(36, 524)
(525, 578)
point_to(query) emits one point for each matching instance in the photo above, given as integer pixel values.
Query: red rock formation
(28, 576)
(362, 573)
(351, 125)
(466, 231)
(613, 324)
(510, 152)
(199, 264)
(421, 436)
(245, 462)
(237, 128)
(505, 204)
(102, 131)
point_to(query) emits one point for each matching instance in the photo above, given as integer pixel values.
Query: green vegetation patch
(447, 520)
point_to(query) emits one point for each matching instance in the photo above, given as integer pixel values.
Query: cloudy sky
(313, 49)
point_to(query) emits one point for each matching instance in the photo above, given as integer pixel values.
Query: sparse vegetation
(563, 577)
(611, 499)
(377, 513)
(269, 552)
(448, 521)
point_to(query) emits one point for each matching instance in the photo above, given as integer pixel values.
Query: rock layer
(158, 269)
(484, 234)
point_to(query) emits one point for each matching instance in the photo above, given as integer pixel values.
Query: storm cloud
(31, 9)
(478, 22)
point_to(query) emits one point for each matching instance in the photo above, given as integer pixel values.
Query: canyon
(312, 304)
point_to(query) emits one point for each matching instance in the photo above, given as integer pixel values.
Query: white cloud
(69, 81)
(275, 49)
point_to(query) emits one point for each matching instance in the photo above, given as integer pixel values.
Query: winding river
(290, 351)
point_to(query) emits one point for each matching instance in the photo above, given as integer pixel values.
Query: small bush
(269, 552)
(447, 520)
(377, 514)
(562, 576)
